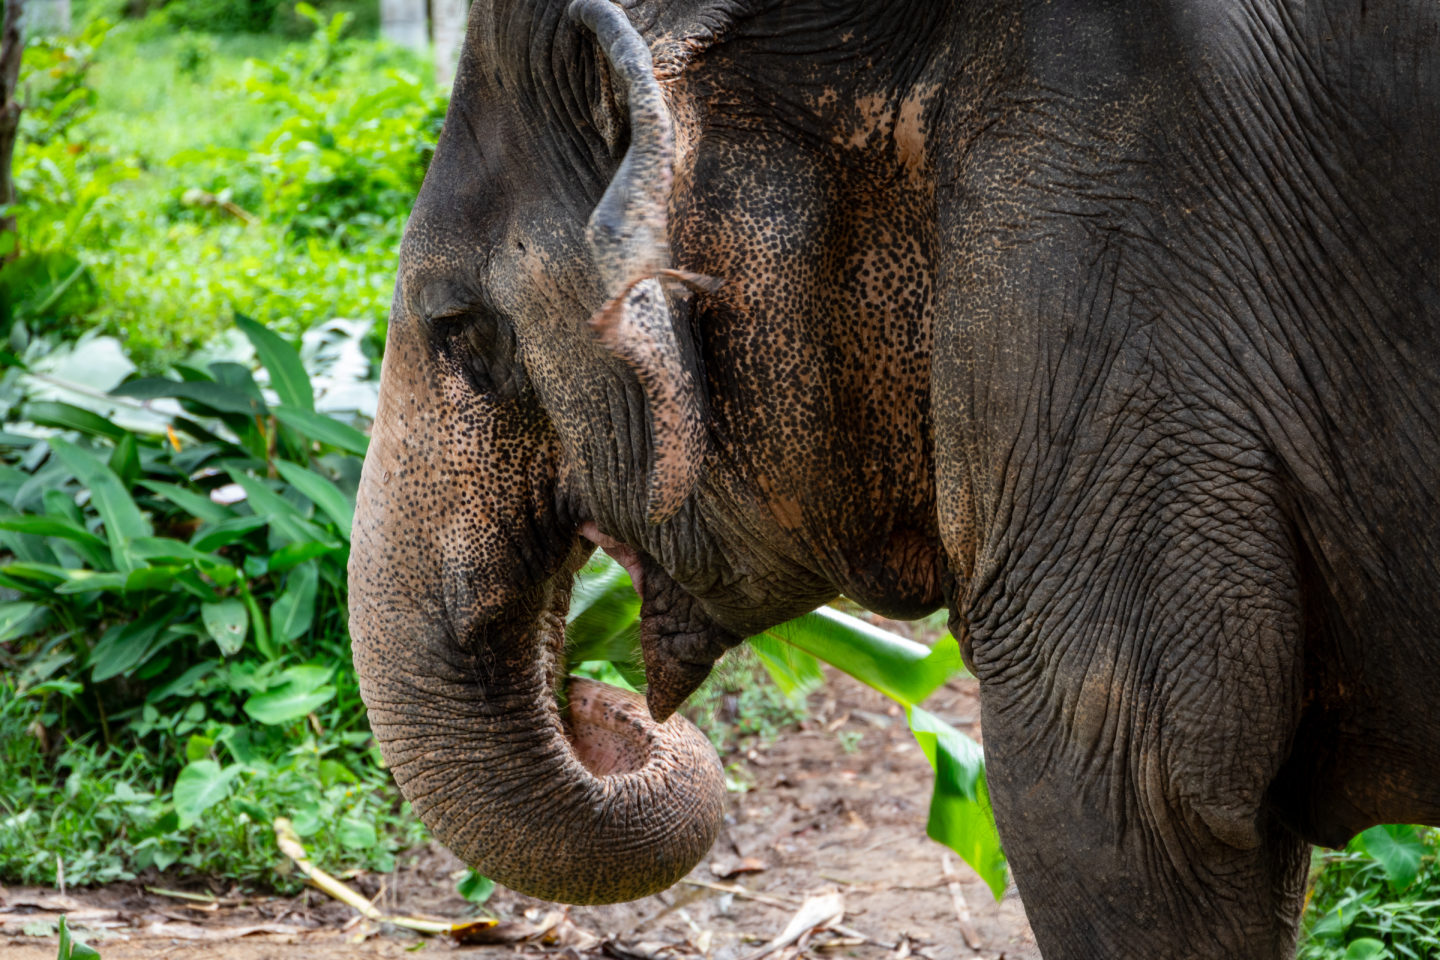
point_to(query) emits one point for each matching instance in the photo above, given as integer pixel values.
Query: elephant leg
(1136, 711)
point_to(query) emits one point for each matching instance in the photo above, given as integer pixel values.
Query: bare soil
(837, 805)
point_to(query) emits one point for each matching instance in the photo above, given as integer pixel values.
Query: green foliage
(221, 16)
(71, 949)
(345, 162)
(173, 627)
(66, 190)
(1376, 898)
(281, 194)
(475, 887)
(257, 16)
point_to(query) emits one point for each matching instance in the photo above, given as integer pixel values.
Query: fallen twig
(962, 909)
(205, 898)
(289, 844)
(785, 903)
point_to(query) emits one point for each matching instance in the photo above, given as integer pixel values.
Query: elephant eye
(480, 347)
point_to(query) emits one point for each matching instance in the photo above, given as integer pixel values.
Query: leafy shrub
(221, 16)
(65, 186)
(175, 633)
(346, 162)
(281, 192)
(253, 16)
(1378, 899)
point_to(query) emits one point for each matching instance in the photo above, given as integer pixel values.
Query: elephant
(1112, 328)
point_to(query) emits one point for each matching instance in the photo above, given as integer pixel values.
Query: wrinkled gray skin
(1113, 326)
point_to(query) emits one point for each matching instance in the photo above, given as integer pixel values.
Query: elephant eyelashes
(480, 347)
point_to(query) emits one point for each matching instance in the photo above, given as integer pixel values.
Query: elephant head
(684, 320)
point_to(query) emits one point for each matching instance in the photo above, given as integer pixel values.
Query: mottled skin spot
(1114, 328)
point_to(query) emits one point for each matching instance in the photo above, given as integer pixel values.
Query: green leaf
(72, 949)
(305, 817)
(293, 612)
(216, 396)
(123, 520)
(50, 527)
(294, 554)
(201, 785)
(125, 460)
(125, 646)
(66, 688)
(252, 810)
(198, 747)
(321, 492)
(181, 684)
(62, 506)
(960, 814)
(89, 581)
(44, 572)
(475, 887)
(794, 671)
(20, 618)
(356, 834)
(166, 548)
(152, 578)
(322, 429)
(1366, 948)
(284, 518)
(225, 532)
(301, 690)
(1398, 849)
(903, 670)
(282, 362)
(333, 772)
(227, 623)
(192, 503)
(67, 416)
(604, 612)
(601, 579)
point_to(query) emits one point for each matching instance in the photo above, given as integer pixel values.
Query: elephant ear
(629, 241)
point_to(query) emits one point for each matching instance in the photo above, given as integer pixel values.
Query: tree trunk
(404, 22)
(11, 48)
(449, 28)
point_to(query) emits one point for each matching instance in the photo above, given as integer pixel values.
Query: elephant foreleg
(1136, 713)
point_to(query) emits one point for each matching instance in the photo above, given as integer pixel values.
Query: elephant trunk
(460, 579)
(589, 803)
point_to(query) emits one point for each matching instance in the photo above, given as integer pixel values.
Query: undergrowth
(1378, 899)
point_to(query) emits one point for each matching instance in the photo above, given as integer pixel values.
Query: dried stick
(962, 909)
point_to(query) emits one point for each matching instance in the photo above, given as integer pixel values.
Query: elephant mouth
(622, 553)
(679, 640)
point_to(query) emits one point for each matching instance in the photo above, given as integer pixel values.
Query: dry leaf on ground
(726, 869)
(816, 913)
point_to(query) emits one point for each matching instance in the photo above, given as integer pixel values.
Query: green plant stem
(104, 722)
(262, 633)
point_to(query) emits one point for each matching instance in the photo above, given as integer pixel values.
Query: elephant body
(1112, 326)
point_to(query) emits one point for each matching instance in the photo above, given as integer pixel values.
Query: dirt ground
(837, 806)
